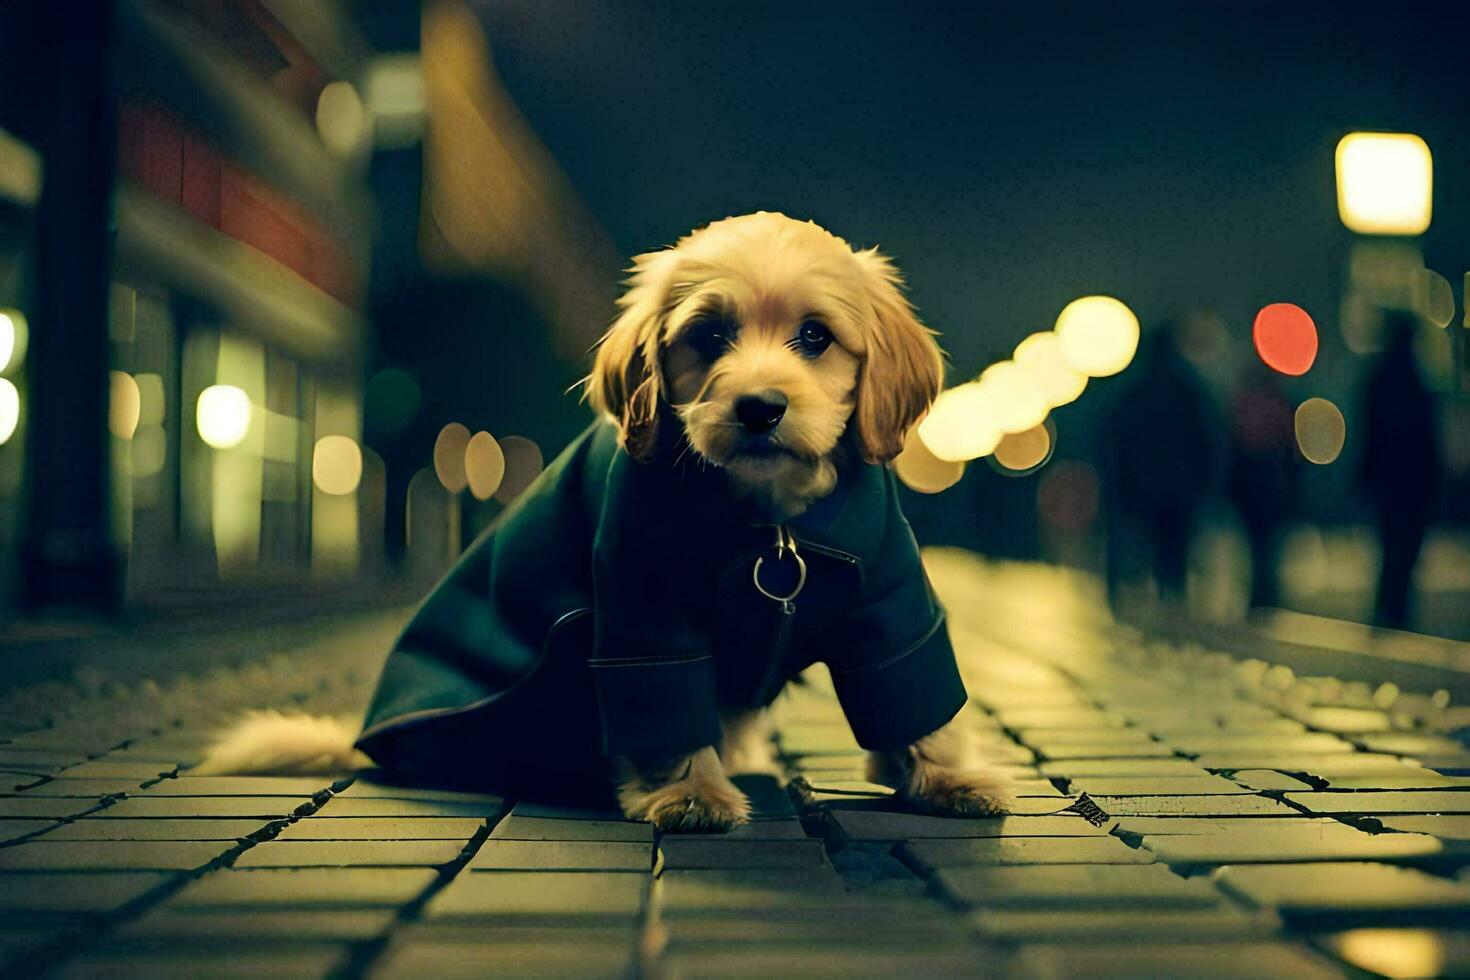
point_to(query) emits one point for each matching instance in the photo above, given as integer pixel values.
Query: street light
(1385, 183)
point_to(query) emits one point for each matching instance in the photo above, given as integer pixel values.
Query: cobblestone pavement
(1257, 824)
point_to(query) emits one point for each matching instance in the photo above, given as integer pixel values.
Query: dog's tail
(277, 743)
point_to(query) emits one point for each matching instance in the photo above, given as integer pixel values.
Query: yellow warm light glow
(959, 425)
(484, 465)
(223, 416)
(1023, 451)
(1040, 356)
(149, 450)
(9, 410)
(1320, 430)
(12, 338)
(1394, 952)
(449, 450)
(1385, 183)
(125, 405)
(336, 465)
(922, 471)
(523, 463)
(1016, 400)
(1099, 335)
(1434, 297)
(341, 120)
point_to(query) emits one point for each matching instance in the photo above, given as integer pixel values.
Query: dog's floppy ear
(904, 367)
(626, 379)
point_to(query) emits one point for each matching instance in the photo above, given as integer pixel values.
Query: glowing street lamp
(1385, 183)
(223, 416)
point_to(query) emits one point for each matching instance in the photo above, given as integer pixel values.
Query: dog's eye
(813, 338)
(709, 337)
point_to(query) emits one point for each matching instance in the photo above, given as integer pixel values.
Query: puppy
(727, 522)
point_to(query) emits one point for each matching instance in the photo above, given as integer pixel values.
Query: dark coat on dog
(613, 611)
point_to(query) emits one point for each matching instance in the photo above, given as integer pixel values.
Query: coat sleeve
(652, 664)
(891, 660)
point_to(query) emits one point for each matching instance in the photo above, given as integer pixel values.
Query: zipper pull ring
(785, 543)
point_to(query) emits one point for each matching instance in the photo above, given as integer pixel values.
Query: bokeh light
(9, 410)
(151, 400)
(1068, 496)
(1020, 453)
(390, 400)
(1015, 400)
(13, 335)
(1385, 183)
(484, 465)
(1285, 338)
(1434, 297)
(336, 465)
(923, 472)
(523, 463)
(149, 450)
(1099, 335)
(1321, 430)
(449, 449)
(1040, 356)
(124, 404)
(959, 425)
(222, 416)
(341, 120)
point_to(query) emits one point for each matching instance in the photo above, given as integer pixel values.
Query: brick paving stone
(42, 855)
(382, 828)
(370, 807)
(1202, 785)
(1401, 743)
(1040, 719)
(1123, 926)
(36, 760)
(1207, 961)
(769, 830)
(1091, 736)
(513, 894)
(306, 888)
(350, 854)
(19, 782)
(239, 786)
(1315, 743)
(195, 962)
(1450, 763)
(88, 829)
(261, 808)
(1226, 726)
(90, 789)
(551, 812)
(1337, 763)
(516, 827)
(852, 918)
(872, 825)
(1402, 952)
(367, 789)
(43, 808)
(741, 890)
(1076, 887)
(1120, 768)
(797, 961)
(106, 768)
(679, 853)
(1342, 890)
(1445, 828)
(1193, 806)
(1324, 842)
(1393, 801)
(570, 958)
(12, 829)
(928, 856)
(1426, 780)
(549, 855)
(1347, 721)
(1144, 826)
(1089, 750)
(287, 925)
(1268, 779)
(29, 892)
(19, 941)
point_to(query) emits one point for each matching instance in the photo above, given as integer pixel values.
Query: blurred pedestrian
(1263, 474)
(1159, 467)
(1401, 463)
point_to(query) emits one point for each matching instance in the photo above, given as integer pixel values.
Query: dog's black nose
(761, 412)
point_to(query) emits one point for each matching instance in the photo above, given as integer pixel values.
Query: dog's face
(768, 337)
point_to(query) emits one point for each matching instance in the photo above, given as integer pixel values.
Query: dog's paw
(959, 793)
(702, 801)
